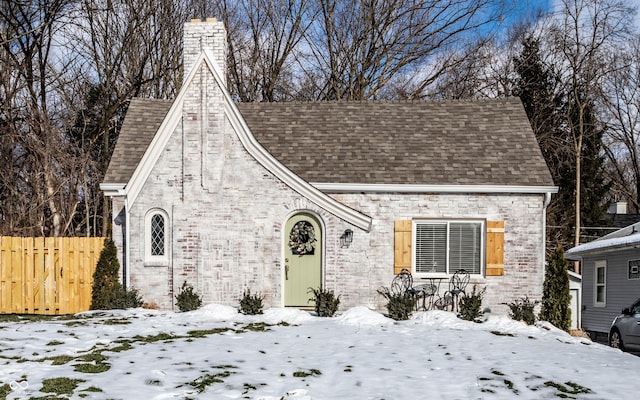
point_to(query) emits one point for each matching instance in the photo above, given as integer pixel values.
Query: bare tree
(131, 48)
(33, 82)
(584, 34)
(263, 38)
(622, 105)
(358, 47)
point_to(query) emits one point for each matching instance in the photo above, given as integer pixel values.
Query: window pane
(600, 272)
(157, 235)
(431, 248)
(464, 251)
(600, 294)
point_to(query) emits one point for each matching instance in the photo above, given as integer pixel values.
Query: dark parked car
(625, 329)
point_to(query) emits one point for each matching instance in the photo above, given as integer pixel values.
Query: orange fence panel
(47, 275)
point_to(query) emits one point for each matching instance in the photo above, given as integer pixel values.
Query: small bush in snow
(470, 305)
(326, 302)
(399, 305)
(522, 310)
(187, 299)
(251, 304)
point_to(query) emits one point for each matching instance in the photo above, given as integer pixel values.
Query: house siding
(621, 292)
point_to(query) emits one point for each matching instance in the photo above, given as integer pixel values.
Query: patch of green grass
(256, 327)
(9, 318)
(304, 374)
(92, 389)
(88, 368)
(75, 323)
(60, 360)
(116, 321)
(247, 387)
(60, 385)
(205, 332)
(498, 333)
(155, 338)
(54, 343)
(4, 391)
(567, 388)
(124, 345)
(202, 382)
(510, 386)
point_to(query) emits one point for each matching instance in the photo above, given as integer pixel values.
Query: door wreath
(302, 238)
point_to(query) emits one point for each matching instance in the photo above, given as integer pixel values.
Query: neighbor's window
(634, 269)
(600, 289)
(156, 240)
(447, 246)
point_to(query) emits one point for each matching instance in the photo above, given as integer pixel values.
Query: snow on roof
(622, 238)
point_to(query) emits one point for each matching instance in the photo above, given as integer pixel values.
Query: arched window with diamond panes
(157, 235)
(156, 240)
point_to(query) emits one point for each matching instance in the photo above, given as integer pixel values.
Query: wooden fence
(47, 275)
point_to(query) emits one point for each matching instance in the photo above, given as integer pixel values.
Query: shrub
(187, 299)
(126, 298)
(326, 302)
(470, 305)
(399, 305)
(522, 310)
(105, 277)
(251, 304)
(556, 296)
(107, 292)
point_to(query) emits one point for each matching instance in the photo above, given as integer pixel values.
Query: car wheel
(615, 340)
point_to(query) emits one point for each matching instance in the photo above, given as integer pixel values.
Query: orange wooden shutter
(402, 248)
(495, 248)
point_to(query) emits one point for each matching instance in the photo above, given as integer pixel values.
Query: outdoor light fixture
(346, 238)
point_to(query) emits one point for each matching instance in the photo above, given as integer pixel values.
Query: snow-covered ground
(216, 353)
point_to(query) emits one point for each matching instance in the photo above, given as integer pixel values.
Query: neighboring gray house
(610, 268)
(280, 197)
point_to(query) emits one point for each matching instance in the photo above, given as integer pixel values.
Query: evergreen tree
(107, 291)
(556, 297)
(545, 105)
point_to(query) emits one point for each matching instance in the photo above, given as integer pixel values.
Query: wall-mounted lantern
(346, 238)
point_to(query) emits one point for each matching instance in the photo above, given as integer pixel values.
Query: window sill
(156, 263)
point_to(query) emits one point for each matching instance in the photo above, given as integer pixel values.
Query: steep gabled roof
(478, 143)
(141, 123)
(131, 189)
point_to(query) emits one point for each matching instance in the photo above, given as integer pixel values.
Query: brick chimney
(199, 35)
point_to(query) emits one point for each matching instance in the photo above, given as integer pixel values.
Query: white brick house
(262, 196)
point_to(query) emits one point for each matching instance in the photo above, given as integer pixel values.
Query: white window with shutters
(156, 238)
(443, 247)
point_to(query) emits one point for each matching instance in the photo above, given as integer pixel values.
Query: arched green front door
(303, 259)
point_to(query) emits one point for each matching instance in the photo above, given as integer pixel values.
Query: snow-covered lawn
(216, 353)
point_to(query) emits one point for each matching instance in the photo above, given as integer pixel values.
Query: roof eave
(578, 255)
(113, 189)
(413, 188)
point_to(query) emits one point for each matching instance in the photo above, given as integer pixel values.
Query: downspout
(545, 204)
(127, 234)
(171, 271)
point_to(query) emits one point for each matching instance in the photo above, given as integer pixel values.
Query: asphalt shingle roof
(144, 117)
(478, 142)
